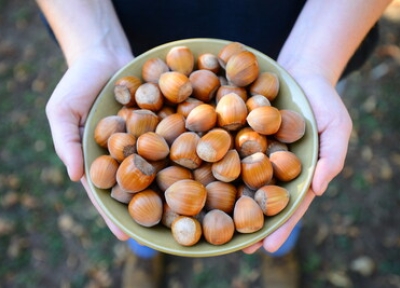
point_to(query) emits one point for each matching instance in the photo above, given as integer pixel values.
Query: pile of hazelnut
(197, 145)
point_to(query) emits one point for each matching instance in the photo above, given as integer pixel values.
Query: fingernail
(69, 172)
(322, 189)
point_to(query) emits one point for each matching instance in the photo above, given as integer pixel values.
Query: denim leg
(140, 250)
(289, 244)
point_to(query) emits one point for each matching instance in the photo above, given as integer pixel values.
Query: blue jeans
(146, 252)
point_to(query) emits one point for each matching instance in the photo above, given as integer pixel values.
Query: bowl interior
(160, 238)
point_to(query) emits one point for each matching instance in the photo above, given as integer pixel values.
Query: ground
(51, 236)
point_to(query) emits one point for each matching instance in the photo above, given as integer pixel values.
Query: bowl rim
(213, 250)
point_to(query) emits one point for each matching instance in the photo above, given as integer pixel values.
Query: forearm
(327, 33)
(86, 27)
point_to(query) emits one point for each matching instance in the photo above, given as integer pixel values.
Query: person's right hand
(68, 108)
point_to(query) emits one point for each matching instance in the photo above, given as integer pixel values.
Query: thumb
(66, 133)
(333, 149)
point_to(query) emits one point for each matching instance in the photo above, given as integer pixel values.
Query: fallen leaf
(52, 175)
(100, 276)
(369, 104)
(322, 234)
(65, 222)
(363, 265)
(6, 226)
(29, 201)
(339, 279)
(367, 153)
(386, 172)
(9, 199)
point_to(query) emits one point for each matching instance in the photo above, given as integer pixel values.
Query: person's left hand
(334, 128)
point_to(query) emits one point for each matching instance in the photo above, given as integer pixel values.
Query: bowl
(160, 238)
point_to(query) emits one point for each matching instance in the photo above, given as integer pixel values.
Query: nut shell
(171, 127)
(204, 174)
(232, 112)
(265, 120)
(208, 61)
(175, 86)
(121, 145)
(248, 141)
(242, 69)
(152, 146)
(141, 121)
(266, 84)
(120, 195)
(205, 84)
(228, 168)
(153, 68)
(247, 215)
(275, 145)
(256, 101)
(125, 89)
(125, 112)
(102, 171)
(106, 127)
(218, 227)
(256, 170)
(213, 146)
(292, 128)
(272, 199)
(186, 197)
(165, 111)
(183, 150)
(220, 195)
(148, 96)
(186, 231)
(202, 118)
(168, 216)
(227, 89)
(135, 174)
(188, 105)
(228, 51)
(244, 190)
(146, 208)
(171, 174)
(181, 59)
(286, 165)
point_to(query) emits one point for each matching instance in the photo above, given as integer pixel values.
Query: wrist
(87, 29)
(108, 57)
(307, 67)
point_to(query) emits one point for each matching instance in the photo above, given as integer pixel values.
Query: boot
(280, 272)
(142, 272)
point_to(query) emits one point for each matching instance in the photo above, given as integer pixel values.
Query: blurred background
(51, 236)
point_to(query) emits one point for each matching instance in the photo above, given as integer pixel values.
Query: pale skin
(322, 41)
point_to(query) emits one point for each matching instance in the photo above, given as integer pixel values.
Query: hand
(68, 109)
(334, 128)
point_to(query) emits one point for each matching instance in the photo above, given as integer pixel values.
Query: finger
(333, 150)
(67, 143)
(253, 248)
(114, 229)
(274, 241)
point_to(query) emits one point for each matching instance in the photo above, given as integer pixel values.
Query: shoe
(280, 272)
(142, 272)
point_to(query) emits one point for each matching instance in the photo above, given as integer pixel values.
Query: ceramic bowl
(160, 238)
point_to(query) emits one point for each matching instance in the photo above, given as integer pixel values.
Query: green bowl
(160, 238)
